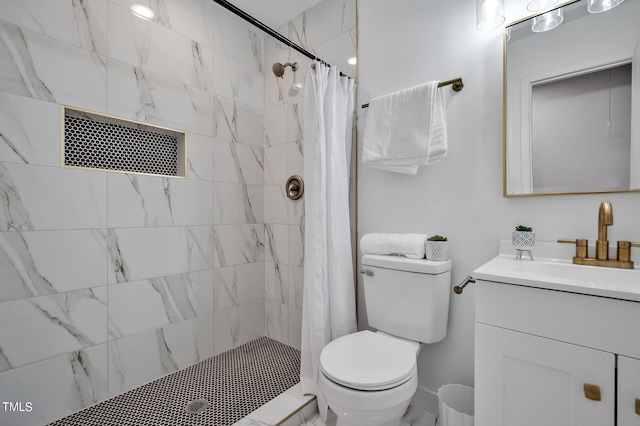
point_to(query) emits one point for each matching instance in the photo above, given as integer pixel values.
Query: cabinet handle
(592, 392)
(638, 406)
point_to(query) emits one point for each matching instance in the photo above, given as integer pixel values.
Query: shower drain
(197, 406)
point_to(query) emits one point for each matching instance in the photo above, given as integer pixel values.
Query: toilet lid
(368, 361)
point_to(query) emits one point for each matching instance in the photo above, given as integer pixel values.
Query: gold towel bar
(456, 82)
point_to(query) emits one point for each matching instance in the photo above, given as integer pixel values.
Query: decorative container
(437, 251)
(523, 240)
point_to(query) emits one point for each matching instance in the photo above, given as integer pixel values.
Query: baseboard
(426, 400)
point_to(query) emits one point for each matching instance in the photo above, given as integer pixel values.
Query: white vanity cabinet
(545, 357)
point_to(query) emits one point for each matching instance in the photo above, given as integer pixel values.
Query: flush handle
(592, 392)
(295, 187)
(367, 272)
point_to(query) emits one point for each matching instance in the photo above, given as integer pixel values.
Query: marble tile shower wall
(110, 280)
(328, 31)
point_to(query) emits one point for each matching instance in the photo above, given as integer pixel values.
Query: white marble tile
(295, 120)
(191, 201)
(236, 285)
(200, 247)
(239, 82)
(324, 21)
(138, 200)
(296, 245)
(275, 165)
(276, 282)
(236, 122)
(29, 131)
(238, 40)
(180, 343)
(134, 361)
(192, 18)
(82, 24)
(159, 50)
(138, 359)
(238, 203)
(42, 198)
(30, 66)
(239, 244)
(42, 327)
(275, 205)
(200, 158)
(295, 161)
(145, 96)
(238, 325)
(276, 243)
(56, 387)
(141, 253)
(238, 163)
(296, 286)
(277, 321)
(295, 211)
(166, 300)
(275, 126)
(45, 262)
(295, 327)
(203, 331)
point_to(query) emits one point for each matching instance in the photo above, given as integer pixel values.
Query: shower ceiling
(274, 13)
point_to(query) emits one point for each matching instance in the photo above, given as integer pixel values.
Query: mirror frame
(505, 194)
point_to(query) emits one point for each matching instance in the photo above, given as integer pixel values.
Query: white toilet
(369, 378)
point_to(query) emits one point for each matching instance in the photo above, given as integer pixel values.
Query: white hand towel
(409, 245)
(406, 129)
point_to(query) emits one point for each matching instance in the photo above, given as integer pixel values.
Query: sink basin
(562, 275)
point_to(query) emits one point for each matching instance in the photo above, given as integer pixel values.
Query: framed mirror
(572, 101)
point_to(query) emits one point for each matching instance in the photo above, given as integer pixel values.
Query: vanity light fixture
(142, 11)
(489, 14)
(597, 6)
(536, 5)
(547, 21)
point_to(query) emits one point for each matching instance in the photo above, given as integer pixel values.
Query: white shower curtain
(328, 307)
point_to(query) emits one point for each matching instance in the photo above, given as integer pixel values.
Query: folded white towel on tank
(409, 245)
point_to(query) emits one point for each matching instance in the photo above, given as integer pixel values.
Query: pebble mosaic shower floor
(233, 383)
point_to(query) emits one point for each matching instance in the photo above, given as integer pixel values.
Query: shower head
(278, 68)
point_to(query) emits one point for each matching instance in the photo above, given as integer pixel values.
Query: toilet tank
(408, 298)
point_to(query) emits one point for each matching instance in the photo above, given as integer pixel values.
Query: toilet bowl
(368, 378)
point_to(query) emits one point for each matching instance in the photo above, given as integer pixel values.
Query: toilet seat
(368, 361)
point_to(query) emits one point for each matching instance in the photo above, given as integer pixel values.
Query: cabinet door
(628, 391)
(526, 380)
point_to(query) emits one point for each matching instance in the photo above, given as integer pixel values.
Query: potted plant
(523, 238)
(437, 248)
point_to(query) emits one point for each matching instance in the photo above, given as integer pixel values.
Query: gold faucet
(605, 218)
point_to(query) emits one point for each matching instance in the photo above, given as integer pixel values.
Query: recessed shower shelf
(103, 142)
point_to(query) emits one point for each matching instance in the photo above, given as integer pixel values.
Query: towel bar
(456, 82)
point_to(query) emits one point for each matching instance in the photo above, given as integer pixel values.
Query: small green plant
(437, 238)
(524, 228)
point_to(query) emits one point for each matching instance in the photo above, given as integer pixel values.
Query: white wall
(407, 42)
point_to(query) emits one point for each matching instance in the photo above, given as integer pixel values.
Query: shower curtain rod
(253, 21)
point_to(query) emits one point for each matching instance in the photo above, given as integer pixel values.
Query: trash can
(456, 405)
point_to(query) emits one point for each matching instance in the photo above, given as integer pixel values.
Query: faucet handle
(582, 246)
(624, 250)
